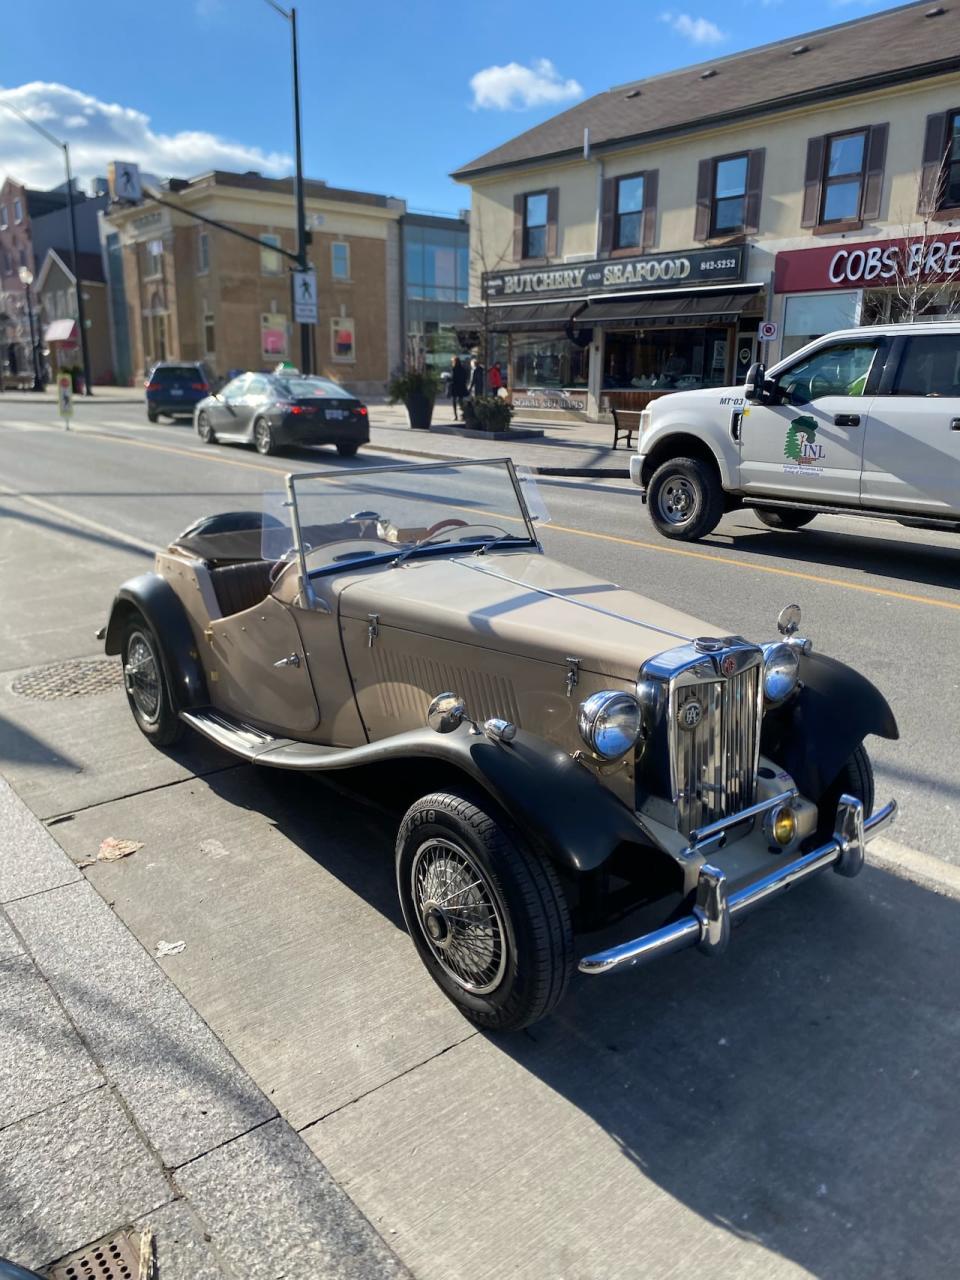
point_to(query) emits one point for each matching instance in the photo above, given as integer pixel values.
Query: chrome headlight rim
(781, 672)
(603, 738)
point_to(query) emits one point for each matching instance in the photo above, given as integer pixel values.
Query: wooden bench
(626, 424)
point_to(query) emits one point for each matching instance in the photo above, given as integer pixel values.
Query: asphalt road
(884, 598)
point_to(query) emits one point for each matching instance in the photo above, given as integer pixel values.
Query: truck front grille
(714, 755)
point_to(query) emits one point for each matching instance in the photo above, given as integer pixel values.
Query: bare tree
(486, 260)
(920, 273)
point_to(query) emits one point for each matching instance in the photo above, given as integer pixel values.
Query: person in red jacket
(495, 378)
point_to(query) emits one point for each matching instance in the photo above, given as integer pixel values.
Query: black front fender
(815, 733)
(154, 598)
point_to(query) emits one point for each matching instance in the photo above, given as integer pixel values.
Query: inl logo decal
(800, 444)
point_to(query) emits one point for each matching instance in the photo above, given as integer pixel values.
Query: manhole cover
(116, 1258)
(74, 679)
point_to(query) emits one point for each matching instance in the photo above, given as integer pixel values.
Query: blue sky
(394, 96)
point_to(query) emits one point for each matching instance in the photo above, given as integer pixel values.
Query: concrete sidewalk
(121, 1110)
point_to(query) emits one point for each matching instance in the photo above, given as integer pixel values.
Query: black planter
(419, 411)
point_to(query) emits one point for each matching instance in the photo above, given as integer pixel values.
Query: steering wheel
(820, 385)
(288, 556)
(445, 524)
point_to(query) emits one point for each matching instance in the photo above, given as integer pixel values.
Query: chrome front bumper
(716, 907)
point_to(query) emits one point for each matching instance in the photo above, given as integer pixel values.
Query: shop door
(911, 457)
(810, 446)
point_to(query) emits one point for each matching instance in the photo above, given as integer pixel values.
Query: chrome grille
(714, 764)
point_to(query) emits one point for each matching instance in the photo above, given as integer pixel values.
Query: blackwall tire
(152, 415)
(347, 450)
(854, 779)
(263, 438)
(685, 499)
(784, 517)
(499, 946)
(204, 429)
(145, 683)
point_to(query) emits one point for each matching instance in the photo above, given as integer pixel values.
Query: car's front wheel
(784, 517)
(487, 917)
(263, 437)
(685, 498)
(854, 779)
(204, 430)
(146, 684)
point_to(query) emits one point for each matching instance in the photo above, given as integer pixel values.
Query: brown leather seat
(241, 586)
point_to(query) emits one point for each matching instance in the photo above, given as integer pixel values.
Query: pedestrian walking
(476, 378)
(457, 384)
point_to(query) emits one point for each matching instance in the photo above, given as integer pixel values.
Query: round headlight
(781, 670)
(610, 723)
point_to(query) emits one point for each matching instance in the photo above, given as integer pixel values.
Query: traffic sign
(304, 297)
(768, 330)
(65, 398)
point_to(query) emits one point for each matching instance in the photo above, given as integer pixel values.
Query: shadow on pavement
(20, 745)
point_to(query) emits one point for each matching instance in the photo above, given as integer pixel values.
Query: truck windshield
(389, 512)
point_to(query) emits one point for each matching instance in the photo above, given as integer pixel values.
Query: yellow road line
(727, 561)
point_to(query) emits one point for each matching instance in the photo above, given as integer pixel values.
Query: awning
(530, 316)
(60, 331)
(703, 308)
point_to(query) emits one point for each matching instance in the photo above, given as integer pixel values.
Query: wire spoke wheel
(677, 500)
(459, 916)
(141, 675)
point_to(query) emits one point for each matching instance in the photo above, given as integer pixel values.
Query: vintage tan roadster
(569, 751)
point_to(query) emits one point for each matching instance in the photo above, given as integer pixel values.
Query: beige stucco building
(192, 291)
(650, 238)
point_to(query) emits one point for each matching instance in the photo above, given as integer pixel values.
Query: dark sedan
(272, 410)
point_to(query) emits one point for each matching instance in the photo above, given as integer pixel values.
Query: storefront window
(549, 360)
(811, 315)
(666, 359)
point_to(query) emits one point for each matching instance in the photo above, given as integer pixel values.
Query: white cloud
(99, 132)
(514, 87)
(696, 30)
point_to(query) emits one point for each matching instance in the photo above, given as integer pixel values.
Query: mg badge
(690, 714)
(729, 665)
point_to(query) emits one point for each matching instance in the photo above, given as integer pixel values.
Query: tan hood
(524, 604)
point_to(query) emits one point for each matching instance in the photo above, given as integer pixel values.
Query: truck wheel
(488, 917)
(783, 517)
(685, 498)
(146, 684)
(854, 779)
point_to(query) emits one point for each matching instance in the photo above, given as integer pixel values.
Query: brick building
(184, 290)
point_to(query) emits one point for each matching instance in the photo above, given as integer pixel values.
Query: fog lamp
(782, 825)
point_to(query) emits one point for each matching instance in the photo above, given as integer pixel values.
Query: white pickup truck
(863, 421)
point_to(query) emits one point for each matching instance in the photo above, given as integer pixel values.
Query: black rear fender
(152, 597)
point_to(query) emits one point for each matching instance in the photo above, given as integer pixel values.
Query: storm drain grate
(116, 1258)
(73, 679)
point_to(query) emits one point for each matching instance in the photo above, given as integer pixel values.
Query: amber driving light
(782, 825)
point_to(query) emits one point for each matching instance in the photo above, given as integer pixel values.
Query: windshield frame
(294, 477)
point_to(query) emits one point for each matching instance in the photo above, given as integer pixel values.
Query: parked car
(862, 422)
(175, 386)
(270, 410)
(565, 751)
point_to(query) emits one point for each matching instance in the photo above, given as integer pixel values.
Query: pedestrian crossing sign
(304, 297)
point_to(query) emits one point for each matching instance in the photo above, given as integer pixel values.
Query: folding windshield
(333, 518)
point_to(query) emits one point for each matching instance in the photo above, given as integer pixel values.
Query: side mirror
(754, 386)
(446, 712)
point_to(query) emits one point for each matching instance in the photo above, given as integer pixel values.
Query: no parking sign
(768, 330)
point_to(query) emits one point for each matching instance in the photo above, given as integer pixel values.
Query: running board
(259, 747)
(943, 523)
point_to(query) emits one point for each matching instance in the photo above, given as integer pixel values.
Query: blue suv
(175, 386)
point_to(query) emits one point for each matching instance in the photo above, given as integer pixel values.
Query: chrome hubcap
(459, 916)
(263, 436)
(141, 676)
(677, 500)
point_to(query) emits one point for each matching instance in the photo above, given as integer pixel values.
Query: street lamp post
(26, 279)
(81, 315)
(302, 263)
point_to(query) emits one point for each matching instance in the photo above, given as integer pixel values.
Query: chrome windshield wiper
(501, 537)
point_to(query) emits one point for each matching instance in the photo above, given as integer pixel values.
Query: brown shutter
(873, 181)
(648, 232)
(608, 211)
(518, 227)
(813, 182)
(934, 149)
(701, 229)
(751, 209)
(553, 201)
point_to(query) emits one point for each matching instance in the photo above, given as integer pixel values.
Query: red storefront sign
(870, 264)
